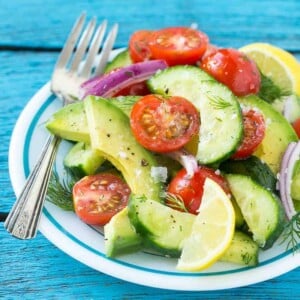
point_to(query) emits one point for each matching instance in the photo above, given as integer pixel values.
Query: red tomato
(136, 89)
(254, 132)
(139, 46)
(296, 126)
(191, 189)
(97, 198)
(234, 69)
(178, 45)
(164, 124)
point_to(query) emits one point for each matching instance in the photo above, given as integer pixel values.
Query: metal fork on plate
(77, 62)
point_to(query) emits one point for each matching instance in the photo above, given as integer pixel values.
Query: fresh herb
(218, 102)
(269, 91)
(291, 234)
(60, 192)
(246, 257)
(176, 202)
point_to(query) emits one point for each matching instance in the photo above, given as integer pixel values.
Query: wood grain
(30, 34)
(228, 23)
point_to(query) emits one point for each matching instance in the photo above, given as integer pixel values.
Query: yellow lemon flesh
(276, 63)
(212, 231)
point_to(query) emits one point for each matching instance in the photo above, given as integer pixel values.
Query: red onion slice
(289, 159)
(109, 84)
(187, 160)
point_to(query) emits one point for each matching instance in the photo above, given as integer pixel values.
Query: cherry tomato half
(296, 126)
(178, 45)
(97, 198)
(164, 124)
(234, 69)
(191, 189)
(139, 46)
(254, 132)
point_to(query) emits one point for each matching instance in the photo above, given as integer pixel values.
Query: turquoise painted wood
(31, 33)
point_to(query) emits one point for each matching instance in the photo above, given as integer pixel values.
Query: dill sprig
(291, 233)
(269, 91)
(218, 102)
(60, 192)
(176, 202)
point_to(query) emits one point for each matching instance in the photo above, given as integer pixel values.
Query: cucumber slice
(253, 167)
(82, 160)
(242, 250)
(221, 126)
(261, 209)
(161, 227)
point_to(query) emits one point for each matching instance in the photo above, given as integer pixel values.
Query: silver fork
(73, 67)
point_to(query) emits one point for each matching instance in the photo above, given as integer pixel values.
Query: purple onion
(289, 159)
(187, 160)
(109, 84)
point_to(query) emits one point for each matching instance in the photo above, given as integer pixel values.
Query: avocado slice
(70, 122)
(279, 133)
(111, 136)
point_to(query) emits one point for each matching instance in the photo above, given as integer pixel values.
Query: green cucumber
(242, 250)
(221, 128)
(82, 160)
(253, 167)
(161, 227)
(261, 209)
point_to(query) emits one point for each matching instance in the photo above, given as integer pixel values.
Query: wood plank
(228, 23)
(38, 270)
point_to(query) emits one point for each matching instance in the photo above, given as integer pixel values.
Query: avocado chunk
(242, 250)
(70, 122)
(111, 136)
(120, 235)
(121, 60)
(279, 133)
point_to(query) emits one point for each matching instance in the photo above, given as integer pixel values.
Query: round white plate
(86, 245)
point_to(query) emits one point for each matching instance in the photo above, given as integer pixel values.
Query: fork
(76, 63)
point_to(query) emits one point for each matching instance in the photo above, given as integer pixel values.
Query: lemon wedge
(212, 230)
(276, 63)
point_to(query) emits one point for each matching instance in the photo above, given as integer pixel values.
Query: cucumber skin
(253, 167)
(150, 236)
(81, 160)
(279, 226)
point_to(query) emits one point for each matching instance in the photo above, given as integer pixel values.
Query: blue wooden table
(31, 35)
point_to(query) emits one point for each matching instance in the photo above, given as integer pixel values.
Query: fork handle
(22, 221)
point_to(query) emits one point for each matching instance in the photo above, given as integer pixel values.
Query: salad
(187, 149)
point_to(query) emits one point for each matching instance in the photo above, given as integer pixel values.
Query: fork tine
(109, 42)
(82, 45)
(70, 43)
(93, 51)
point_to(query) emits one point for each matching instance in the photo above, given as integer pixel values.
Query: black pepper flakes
(144, 163)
